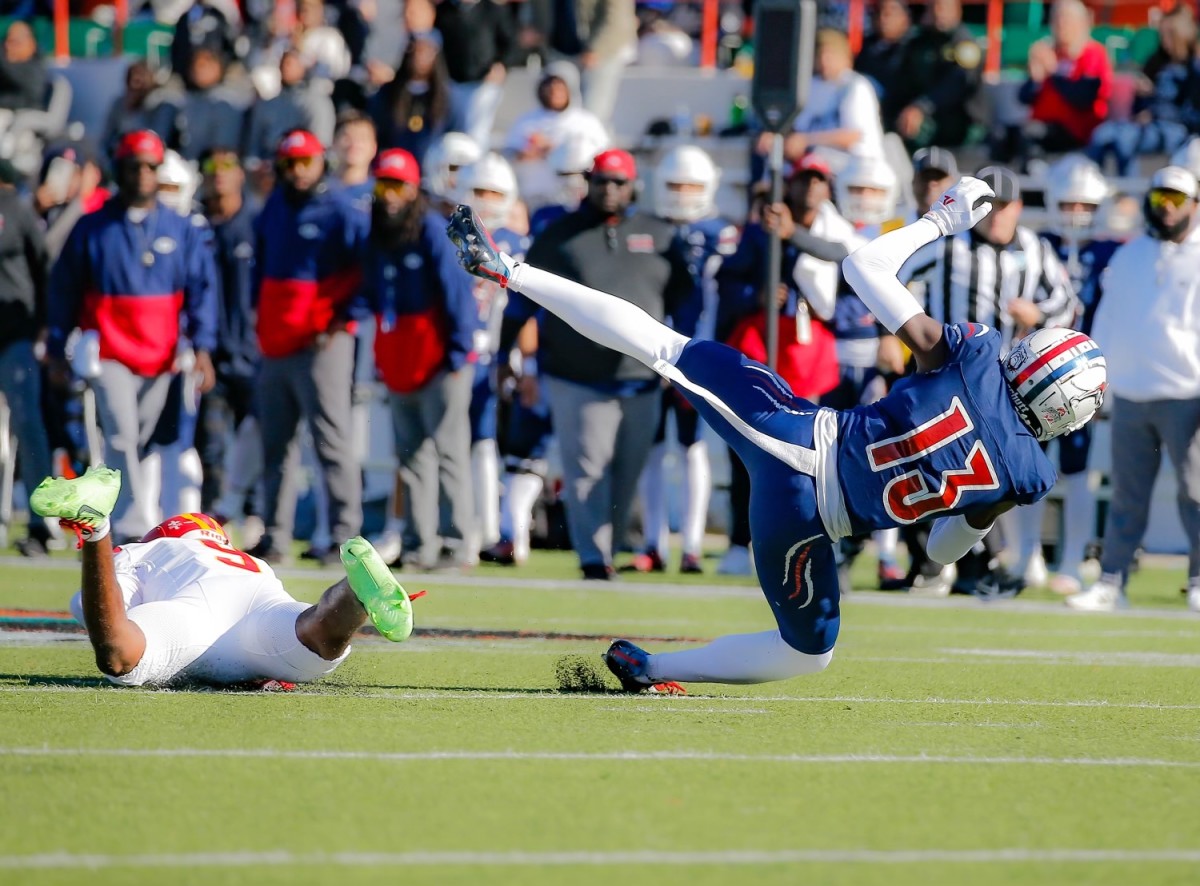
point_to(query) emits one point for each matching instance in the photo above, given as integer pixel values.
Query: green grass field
(950, 742)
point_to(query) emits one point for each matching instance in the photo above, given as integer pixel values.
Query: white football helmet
(570, 159)
(685, 165)
(1056, 378)
(1075, 179)
(444, 158)
(177, 183)
(489, 186)
(867, 190)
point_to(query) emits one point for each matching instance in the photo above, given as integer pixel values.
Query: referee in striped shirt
(999, 273)
(1005, 276)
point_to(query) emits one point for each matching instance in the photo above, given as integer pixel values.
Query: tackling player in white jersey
(184, 605)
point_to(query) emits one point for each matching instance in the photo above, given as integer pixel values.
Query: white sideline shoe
(1193, 597)
(736, 561)
(1105, 595)
(938, 585)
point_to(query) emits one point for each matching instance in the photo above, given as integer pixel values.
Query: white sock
(1029, 534)
(606, 319)
(737, 658)
(485, 470)
(697, 484)
(523, 492)
(652, 489)
(886, 541)
(1079, 516)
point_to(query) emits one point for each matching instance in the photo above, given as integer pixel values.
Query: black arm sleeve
(825, 250)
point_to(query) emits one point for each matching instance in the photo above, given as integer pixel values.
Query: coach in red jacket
(309, 245)
(424, 348)
(132, 276)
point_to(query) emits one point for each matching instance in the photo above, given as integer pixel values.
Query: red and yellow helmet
(198, 527)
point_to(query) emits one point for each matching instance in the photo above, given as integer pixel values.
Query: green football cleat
(83, 501)
(386, 602)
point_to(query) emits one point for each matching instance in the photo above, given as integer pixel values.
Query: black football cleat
(477, 253)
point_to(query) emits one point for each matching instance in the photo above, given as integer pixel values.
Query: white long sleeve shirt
(1148, 320)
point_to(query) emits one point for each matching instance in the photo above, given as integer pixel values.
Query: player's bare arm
(871, 270)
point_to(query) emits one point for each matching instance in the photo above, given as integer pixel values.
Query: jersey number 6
(907, 498)
(232, 557)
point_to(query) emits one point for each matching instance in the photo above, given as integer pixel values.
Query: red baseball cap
(297, 144)
(614, 162)
(138, 143)
(398, 165)
(810, 162)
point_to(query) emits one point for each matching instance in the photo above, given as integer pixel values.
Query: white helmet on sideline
(866, 190)
(1187, 155)
(489, 186)
(570, 159)
(443, 160)
(1077, 182)
(177, 183)
(685, 165)
(1056, 378)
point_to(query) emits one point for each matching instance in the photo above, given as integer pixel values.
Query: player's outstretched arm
(872, 269)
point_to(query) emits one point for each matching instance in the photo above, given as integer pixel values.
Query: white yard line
(286, 858)
(143, 754)
(631, 700)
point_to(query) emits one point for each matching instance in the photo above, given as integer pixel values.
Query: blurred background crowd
(223, 266)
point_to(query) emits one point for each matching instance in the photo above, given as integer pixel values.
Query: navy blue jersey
(542, 217)
(705, 245)
(1085, 264)
(942, 442)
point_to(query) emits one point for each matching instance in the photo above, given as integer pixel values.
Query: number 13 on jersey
(907, 498)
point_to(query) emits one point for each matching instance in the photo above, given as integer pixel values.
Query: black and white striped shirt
(965, 279)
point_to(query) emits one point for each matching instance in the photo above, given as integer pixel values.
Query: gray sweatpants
(21, 385)
(433, 447)
(129, 407)
(604, 441)
(1140, 431)
(313, 385)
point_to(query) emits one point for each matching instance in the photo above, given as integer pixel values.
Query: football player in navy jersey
(685, 188)
(1076, 192)
(958, 443)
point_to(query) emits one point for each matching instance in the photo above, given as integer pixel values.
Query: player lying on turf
(958, 442)
(184, 605)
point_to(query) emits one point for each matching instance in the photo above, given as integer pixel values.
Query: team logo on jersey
(309, 231)
(164, 245)
(640, 243)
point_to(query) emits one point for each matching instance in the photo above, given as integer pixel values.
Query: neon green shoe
(377, 589)
(82, 502)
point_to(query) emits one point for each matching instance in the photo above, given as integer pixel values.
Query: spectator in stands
(354, 147)
(881, 59)
(226, 407)
(934, 171)
(68, 187)
(297, 106)
(1148, 325)
(413, 110)
(842, 112)
(939, 80)
(1070, 81)
(1167, 108)
(133, 110)
(479, 38)
(424, 348)
(309, 248)
(661, 42)
(807, 351)
(129, 276)
(535, 134)
(207, 115)
(604, 405)
(22, 72)
(598, 35)
(209, 24)
(322, 47)
(23, 271)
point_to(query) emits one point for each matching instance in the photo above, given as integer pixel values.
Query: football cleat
(628, 664)
(477, 253)
(1106, 595)
(689, 564)
(387, 604)
(81, 504)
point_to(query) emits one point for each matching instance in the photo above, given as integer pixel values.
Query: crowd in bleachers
(221, 290)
